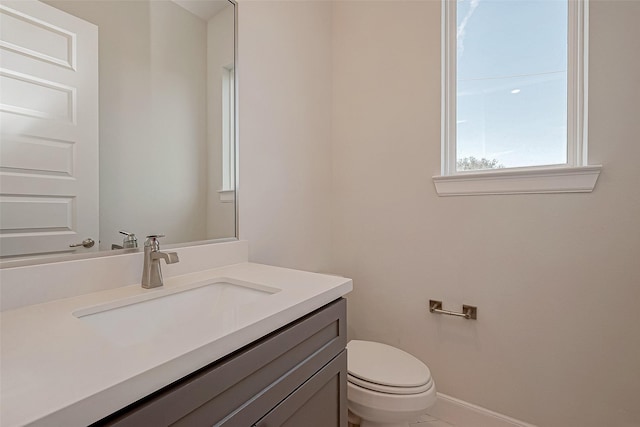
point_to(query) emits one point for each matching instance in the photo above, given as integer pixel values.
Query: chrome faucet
(130, 241)
(151, 272)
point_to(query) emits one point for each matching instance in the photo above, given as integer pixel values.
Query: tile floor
(429, 421)
(424, 421)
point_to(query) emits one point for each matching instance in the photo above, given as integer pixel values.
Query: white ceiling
(205, 9)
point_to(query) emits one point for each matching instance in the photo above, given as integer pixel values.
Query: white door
(48, 130)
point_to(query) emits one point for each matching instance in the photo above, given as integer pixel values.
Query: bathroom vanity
(293, 377)
(223, 342)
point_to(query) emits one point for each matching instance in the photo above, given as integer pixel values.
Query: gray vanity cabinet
(315, 402)
(295, 376)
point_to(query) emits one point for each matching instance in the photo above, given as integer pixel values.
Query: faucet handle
(152, 241)
(130, 241)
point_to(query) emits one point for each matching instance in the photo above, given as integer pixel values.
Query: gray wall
(285, 131)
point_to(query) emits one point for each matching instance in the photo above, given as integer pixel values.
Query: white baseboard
(464, 414)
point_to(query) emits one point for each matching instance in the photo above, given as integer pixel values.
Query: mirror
(117, 115)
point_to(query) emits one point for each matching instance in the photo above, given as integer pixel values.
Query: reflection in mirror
(116, 116)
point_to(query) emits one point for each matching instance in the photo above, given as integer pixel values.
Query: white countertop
(59, 371)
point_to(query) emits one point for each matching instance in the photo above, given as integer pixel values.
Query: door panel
(49, 130)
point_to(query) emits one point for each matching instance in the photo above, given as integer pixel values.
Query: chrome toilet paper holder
(469, 312)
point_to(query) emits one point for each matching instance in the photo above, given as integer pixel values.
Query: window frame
(573, 176)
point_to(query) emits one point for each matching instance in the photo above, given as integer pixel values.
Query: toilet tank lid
(383, 364)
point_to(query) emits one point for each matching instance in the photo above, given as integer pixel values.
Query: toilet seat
(388, 389)
(382, 368)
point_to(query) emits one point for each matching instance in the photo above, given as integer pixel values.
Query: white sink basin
(142, 317)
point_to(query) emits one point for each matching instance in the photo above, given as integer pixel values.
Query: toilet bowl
(386, 387)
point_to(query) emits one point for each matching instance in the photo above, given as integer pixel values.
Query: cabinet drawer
(320, 402)
(240, 388)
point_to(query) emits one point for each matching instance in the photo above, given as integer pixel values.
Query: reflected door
(49, 130)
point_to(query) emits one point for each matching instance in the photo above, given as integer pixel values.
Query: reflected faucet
(151, 272)
(130, 241)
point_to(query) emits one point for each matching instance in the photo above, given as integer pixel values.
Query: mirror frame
(74, 257)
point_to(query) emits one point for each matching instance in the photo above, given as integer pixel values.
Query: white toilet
(386, 387)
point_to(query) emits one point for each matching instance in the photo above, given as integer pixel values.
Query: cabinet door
(319, 402)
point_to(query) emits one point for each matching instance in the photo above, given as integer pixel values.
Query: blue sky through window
(512, 81)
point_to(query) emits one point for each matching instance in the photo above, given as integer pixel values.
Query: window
(228, 135)
(514, 97)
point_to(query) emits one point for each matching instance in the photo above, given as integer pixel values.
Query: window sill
(580, 179)
(227, 196)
